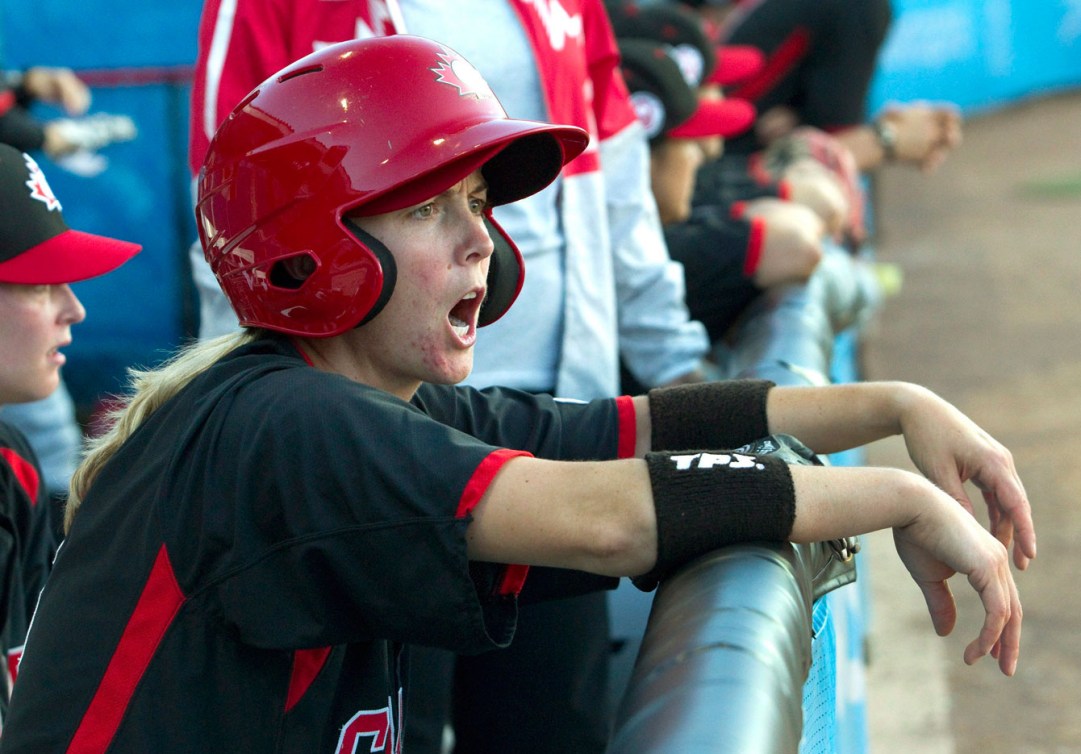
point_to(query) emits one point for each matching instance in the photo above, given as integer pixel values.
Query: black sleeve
(25, 510)
(732, 178)
(540, 424)
(713, 251)
(340, 494)
(20, 130)
(547, 428)
(343, 496)
(821, 55)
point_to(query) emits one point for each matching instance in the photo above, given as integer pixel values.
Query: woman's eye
(425, 210)
(477, 206)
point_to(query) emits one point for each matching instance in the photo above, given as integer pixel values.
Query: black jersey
(27, 546)
(820, 58)
(247, 569)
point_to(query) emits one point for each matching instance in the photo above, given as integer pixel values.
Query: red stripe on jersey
(778, 64)
(24, 472)
(513, 580)
(514, 577)
(483, 476)
(303, 354)
(628, 427)
(306, 666)
(754, 246)
(153, 614)
(15, 655)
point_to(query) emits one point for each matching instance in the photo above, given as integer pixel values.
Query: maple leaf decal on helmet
(463, 76)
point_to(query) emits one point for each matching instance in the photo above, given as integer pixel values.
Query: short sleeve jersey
(247, 568)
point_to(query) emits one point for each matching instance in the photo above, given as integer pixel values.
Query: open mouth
(464, 314)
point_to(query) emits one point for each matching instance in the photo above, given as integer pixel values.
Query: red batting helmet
(366, 126)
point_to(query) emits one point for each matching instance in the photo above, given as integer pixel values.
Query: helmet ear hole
(290, 273)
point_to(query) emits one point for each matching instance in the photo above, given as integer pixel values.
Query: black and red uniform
(247, 568)
(820, 58)
(27, 546)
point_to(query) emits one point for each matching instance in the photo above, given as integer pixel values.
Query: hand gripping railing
(728, 645)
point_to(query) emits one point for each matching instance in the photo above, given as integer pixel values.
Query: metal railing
(727, 648)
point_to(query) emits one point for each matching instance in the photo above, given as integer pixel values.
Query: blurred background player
(731, 250)
(39, 256)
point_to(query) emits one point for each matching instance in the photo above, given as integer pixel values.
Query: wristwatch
(887, 138)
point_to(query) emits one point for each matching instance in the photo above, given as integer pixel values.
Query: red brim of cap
(721, 117)
(67, 258)
(736, 63)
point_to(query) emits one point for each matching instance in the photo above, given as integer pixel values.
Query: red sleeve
(241, 42)
(611, 102)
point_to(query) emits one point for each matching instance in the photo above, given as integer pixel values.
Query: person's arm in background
(17, 126)
(789, 239)
(917, 133)
(52, 85)
(659, 342)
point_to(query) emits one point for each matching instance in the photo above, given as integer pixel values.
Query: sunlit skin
(442, 251)
(35, 323)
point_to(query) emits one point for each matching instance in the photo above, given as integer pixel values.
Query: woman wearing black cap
(39, 256)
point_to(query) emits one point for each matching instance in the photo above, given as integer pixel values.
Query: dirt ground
(990, 317)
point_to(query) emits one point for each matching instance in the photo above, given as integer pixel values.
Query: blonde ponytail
(147, 390)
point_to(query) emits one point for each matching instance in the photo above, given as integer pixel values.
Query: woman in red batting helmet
(361, 130)
(277, 515)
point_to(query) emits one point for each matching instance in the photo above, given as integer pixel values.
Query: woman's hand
(950, 449)
(944, 540)
(59, 86)
(935, 539)
(926, 133)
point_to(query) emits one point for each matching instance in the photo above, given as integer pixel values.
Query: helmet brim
(517, 158)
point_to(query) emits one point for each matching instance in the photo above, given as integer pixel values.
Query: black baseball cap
(667, 105)
(36, 245)
(700, 58)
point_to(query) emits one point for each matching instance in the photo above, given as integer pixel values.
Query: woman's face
(35, 322)
(427, 330)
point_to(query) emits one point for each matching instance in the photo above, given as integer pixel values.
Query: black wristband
(707, 500)
(722, 414)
